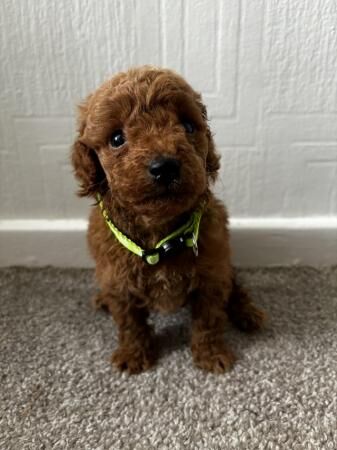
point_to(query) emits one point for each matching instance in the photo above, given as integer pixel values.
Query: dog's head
(143, 136)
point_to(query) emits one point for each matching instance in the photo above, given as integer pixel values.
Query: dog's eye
(189, 127)
(117, 139)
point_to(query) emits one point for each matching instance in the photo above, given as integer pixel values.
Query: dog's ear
(213, 158)
(88, 170)
(87, 167)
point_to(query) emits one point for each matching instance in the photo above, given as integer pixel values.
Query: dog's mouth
(163, 197)
(172, 192)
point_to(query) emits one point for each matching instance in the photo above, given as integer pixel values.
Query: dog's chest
(167, 288)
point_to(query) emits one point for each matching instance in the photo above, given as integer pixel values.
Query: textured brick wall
(268, 72)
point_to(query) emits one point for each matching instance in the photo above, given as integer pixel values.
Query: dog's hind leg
(242, 312)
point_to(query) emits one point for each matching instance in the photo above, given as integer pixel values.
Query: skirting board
(255, 242)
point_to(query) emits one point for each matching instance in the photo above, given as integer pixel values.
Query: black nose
(165, 170)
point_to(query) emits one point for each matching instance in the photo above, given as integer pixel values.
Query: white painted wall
(267, 70)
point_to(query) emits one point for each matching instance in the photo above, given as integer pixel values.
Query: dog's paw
(248, 318)
(132, 360)
(218, 359)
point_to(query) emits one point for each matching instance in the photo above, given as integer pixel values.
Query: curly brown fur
(149, 105)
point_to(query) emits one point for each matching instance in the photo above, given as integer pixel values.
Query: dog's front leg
(208, 323)
(134, 353)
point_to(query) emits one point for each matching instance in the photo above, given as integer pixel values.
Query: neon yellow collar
(184, 236)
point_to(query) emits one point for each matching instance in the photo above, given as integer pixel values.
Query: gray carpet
(58, 390)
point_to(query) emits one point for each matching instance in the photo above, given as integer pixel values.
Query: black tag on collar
(169, 248)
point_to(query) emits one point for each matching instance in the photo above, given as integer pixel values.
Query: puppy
(158, 235)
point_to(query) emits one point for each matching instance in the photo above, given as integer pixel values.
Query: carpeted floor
(58, 390)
